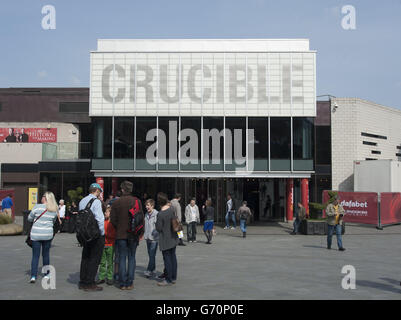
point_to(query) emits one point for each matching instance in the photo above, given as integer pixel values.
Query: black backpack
(87, 228)
(136, 220)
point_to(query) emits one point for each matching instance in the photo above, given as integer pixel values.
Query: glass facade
(280, 144)
(303, 131)
(250, 144)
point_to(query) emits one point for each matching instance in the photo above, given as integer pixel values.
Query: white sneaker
(46, 277)
(33, 280)
(225, 228)
(147, 273)
(232, 228)
(194, 241)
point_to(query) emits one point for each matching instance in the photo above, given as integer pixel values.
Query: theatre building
(204, 118)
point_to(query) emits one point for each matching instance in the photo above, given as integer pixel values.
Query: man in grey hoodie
(151, 236)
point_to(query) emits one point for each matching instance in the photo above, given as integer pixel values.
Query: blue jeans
(152, 249)
(231, 214)
(170, 264)
(36, 246)
(126, 249)
(297, 222)
(243, 224)
(337, 228)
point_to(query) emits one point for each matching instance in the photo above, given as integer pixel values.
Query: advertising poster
(390, 207)
(33, 198)
(360, 207)
(28, 135)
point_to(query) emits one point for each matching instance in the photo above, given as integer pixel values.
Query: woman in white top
(192, 218)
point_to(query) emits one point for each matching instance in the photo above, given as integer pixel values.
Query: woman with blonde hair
(43, 217)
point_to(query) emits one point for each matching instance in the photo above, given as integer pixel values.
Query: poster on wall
(28, 135)
(360, 207)
(33, 198)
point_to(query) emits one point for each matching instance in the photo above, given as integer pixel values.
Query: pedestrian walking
(175, 205)
(126, 241)
(151, 236)
(92, 251)
(335, 214)
(192, 218)
(243, 214)
(208, 213)
(43, 217)
(230, 213)
(168, 239)
(106, 263)
(300, 214)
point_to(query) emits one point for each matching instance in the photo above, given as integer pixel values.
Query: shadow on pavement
(73, 278)
(378, 285)
(392, 281)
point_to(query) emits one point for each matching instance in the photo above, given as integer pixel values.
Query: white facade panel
(248, 76)
(361, 130)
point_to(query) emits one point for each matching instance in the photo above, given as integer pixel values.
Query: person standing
(267, 208)
(335, 214)
(208, 213)
(230, 213)
(7, 205)
(192, 218)
(73, 217)
(175, 205)
(243, 214)
(61, 210)
(300, 215)
(168, 239)
(11, 136)
(43, 216)
(126, 242)
(106, 264)
(151, 236)
(92, 251)
(24, 137)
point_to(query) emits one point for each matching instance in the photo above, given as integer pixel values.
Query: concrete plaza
(268, 264)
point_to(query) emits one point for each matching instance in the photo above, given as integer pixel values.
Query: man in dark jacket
(125, 242)
(168, 239)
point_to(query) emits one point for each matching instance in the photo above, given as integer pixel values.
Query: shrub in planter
(5, 219)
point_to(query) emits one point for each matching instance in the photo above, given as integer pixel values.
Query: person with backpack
(243, 215)
(43, 216)
(90, 234)
(168, 239)
(127, 219)
(230, 213)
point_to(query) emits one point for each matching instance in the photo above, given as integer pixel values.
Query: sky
(364, 62)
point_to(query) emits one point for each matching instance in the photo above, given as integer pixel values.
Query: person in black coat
(168, 239)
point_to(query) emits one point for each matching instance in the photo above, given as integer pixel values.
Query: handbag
(28, 240)
(176, 225)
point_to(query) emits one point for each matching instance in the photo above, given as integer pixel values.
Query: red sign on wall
(360, 207)
(390, 207)
(28, 135)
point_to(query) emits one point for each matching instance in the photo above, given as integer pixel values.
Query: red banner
(360, 207)
(28, 135)
(3, 194)
(390, 207)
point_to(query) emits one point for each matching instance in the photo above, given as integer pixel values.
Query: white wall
(353, 116)
(32, 152)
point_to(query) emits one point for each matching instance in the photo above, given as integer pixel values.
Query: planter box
(309, 227)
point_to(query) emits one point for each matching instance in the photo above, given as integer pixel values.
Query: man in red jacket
(106, 264)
